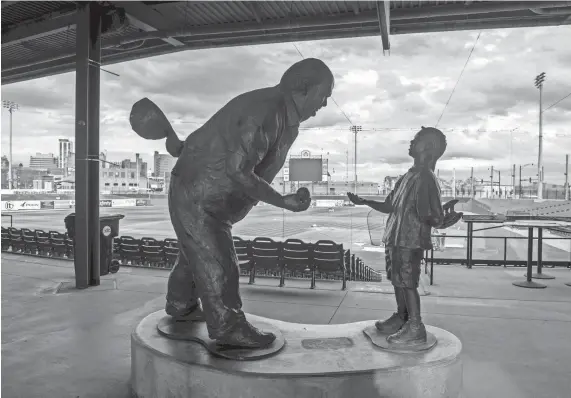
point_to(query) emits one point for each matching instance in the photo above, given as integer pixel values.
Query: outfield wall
(30, 205)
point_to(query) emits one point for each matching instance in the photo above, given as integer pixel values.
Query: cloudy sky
(492, 118)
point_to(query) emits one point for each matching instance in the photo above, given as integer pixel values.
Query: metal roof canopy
(38, 38)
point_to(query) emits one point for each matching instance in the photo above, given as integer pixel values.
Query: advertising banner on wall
(105, 203)
(62, 204)
(143, 202)
(123, 202)
(328, 203)
(18, 205)
(47, 204)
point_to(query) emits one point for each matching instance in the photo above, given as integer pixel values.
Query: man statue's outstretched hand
(355, 199)
(451, 217)
(299, 201)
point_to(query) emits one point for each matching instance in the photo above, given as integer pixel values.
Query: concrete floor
(76, 343)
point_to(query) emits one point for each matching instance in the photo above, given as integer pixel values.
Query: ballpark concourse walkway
(61, 342)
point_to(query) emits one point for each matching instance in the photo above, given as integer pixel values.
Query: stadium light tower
(12, 107)
(539, 79)
(355, 130)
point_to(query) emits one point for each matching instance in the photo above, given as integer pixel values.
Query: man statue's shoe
(391, 325)
(192, 314)
(245, 335)
(411, 334)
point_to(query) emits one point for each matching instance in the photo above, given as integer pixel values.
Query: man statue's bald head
(309, 82)
(305, 73)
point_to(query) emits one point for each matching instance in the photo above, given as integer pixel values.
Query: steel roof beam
(147, 19)
(553, 11)
(136, 22)
(55, 23)
(384, 17)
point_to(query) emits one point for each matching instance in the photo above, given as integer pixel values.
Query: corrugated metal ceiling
(197, 25)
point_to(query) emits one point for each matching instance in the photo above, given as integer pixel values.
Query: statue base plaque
(336, 361)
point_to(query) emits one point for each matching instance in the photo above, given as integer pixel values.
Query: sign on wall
(17, 205)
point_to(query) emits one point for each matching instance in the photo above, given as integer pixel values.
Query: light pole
(520, 168)
(499, 180)
(511, 143)
(566, 186)
(11, 106)
(539, 79)
(355, 130)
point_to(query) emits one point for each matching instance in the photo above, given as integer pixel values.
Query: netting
(376, 223)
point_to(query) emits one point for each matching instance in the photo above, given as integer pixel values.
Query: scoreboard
(306, 170)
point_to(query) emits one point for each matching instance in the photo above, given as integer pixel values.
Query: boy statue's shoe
(412, 333)
(392, 324)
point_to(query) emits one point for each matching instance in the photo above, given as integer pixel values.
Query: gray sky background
(390, 96)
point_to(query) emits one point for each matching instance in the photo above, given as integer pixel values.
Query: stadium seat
(328, 259)
(265, 257)
(59, 248)
(16, 240)
(347, 261)
(30, 244)
(152, 252)
(296, 257)
(168, 242)
(242, 248)
(69, 247)
(353, 276)
(171, 251)
(45, 247)
(130, 251)
(5, 239)
(149, 240)
(361, 269)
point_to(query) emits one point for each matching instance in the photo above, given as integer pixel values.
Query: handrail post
(505, 251)
(431, 266)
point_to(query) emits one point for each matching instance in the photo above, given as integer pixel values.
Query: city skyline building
(65, 153)
(137, 164)
(43, 161)
(163, 164)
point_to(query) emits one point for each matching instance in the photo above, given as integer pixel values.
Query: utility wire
(332, 99)
(459, 77)
(555, 103)
(551, 106)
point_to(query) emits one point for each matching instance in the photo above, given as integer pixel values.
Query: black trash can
(108, 229)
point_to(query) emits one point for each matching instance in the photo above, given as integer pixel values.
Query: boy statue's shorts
(403, 266)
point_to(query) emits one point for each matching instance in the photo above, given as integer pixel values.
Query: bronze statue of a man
(414, 208)
(223, 170)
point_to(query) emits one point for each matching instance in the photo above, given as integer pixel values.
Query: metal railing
(431, 260)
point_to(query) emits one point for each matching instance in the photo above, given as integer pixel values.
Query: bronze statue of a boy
(224, 168)
(414, 208)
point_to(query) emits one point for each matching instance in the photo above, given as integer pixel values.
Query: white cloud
(390, 96)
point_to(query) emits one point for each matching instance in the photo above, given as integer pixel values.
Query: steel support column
(528, 283)
(88, 50)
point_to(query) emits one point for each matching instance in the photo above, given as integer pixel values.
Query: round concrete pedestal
(334, 361)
